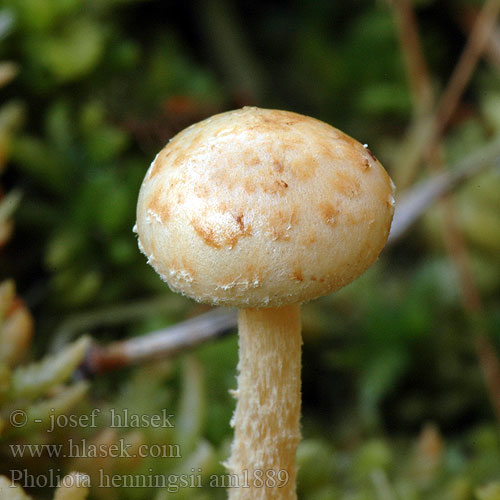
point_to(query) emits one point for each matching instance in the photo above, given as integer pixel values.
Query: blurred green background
(395, 399)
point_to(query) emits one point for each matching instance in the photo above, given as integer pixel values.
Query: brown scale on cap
(308, 205)
(280, 223)
(345, 184)
(158, 207)
(297, 275)
(302, 168)
(329, 213)
(278, 166)
(218, 235)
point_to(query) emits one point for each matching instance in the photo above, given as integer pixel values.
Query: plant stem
(267, 415)
(415, 201)
(160, 344)
(425, 134)
(416, 66)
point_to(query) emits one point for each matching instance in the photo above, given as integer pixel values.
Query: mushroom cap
(263, 208)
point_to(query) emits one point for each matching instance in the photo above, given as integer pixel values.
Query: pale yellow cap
(263, 208)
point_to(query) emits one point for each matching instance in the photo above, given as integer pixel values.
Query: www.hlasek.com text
(81, 448)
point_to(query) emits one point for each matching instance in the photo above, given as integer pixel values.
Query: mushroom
(264, 210)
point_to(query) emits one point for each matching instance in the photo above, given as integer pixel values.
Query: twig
(422, 92)
(488, 356)
(472, 303)
(481, 32)
(413, 204)
(493, 49)
(426, 132)
(225, 35)
(119, 314)
(416, 65)
(161, 344)
(467, 17)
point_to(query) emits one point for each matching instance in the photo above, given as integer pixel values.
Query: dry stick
(412, 204)
(419, 81)
(427, 131)
(471, 298)
(493, 49)
(476, 43)
(160, 344)
(113, 315)
(485, 349)
(224, 33)
(416, 65)
(453, 237)
(467, 18)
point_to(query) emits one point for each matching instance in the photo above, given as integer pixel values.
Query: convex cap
(263, 208)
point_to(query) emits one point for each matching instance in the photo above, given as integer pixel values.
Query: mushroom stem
(267, 415)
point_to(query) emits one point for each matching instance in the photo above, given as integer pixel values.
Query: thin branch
(472, 303)
(426, 132)
(490, 367)
(416, 65)
(114, 315)
(161, 344)
(467, 18)
(422, 93)
(483, 28)
(414, 203)
(225, 35)
(493, 49)
(458, 251)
